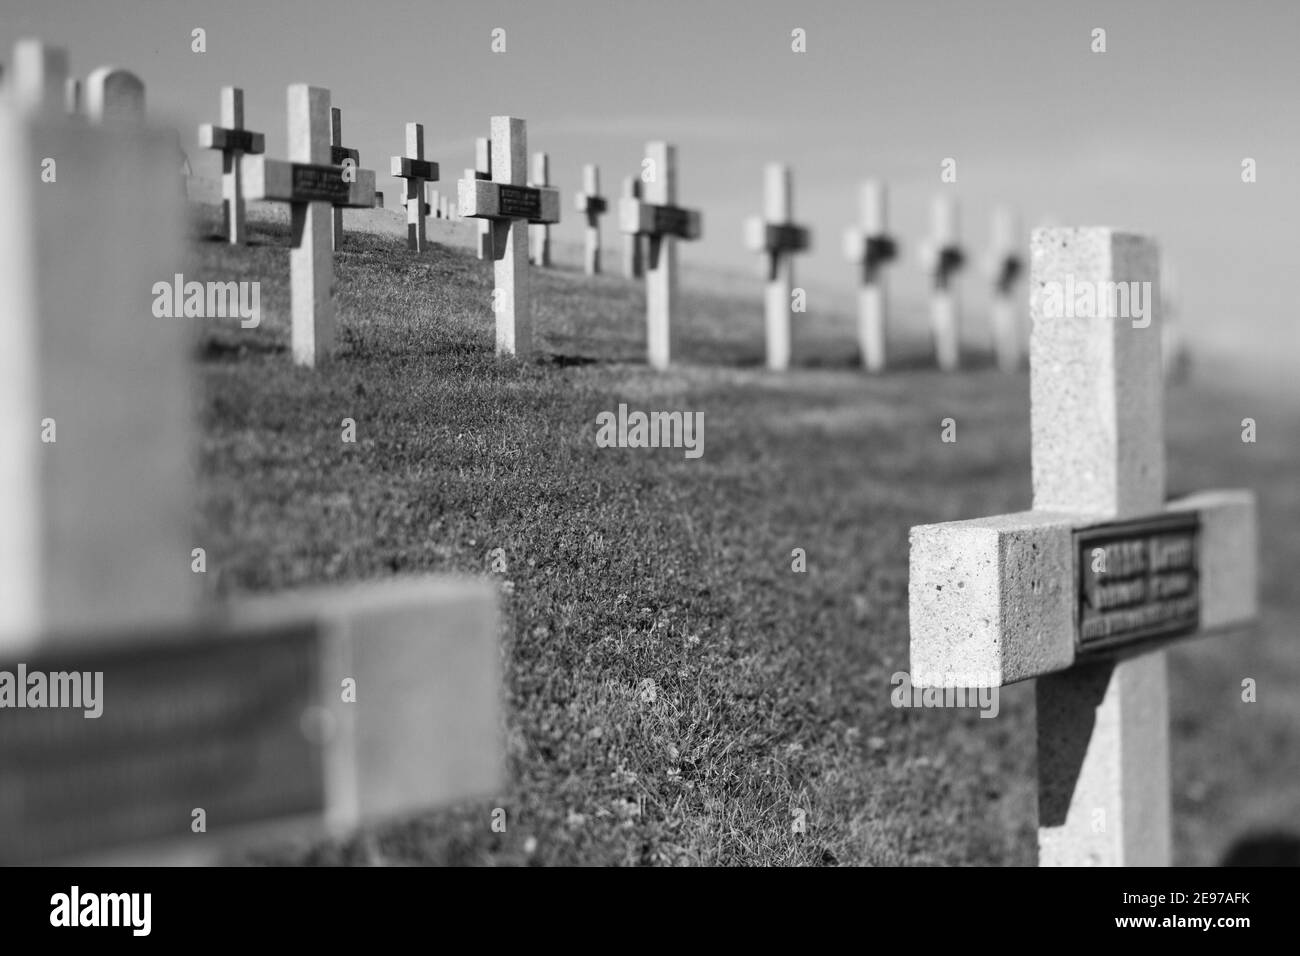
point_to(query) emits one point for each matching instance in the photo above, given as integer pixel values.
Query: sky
(1149, 135)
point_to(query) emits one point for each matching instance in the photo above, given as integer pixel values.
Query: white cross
(1005, 266)
(416, 170)
(944, 258)
(777, 238)
(870, 247)
(233, 141)
(593, 205)
(1082, 592)
(539, 234)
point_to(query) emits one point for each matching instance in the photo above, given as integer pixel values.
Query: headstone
(777, 238)
(416, 170)
(114, 95)
(663, 222)
(593, 205)
(137, 709)
(944, 259)
(510, 207)
(1006, 264)
(483, 170)
(871, 247)
(633, 243)
(234, 141)
(539, 234)
(1083, 592)
(313, 186)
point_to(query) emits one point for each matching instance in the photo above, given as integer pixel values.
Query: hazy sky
(1150, 134)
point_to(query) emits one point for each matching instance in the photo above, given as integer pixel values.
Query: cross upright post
(633, 244)
(775, 236)
(539, 234)
(871, 248)
(1083, 592)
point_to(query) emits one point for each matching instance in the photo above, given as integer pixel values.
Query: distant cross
(944, 259)
(658, 218)
(114, 96)
(314, 187)
(482, 170)
(340, 154)
(871, 247)
(1083, 592)
(416, 170)
(233, 141)
(539, 234)
(510, 207)
(72, 96)
(591, 203)
(633, 244)
(1006, 266)
(777, 238)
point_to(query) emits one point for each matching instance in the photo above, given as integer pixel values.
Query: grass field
(626, 566)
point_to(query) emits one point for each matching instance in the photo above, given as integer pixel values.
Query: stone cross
(235, 715)
(871, 247)
(593, 205)
(633, 244)
(663, 222)
(944, 258)
(510, 206)
(435, 204)
(416, 170)
(483, 170)
(233, 141)
(338, 155)
(1005, 266)
(313, 186)
(1082, 592)
(777, 238)
(539, 234)
(114, 96)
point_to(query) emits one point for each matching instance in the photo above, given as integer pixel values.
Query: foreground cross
(658, 218)
(510, 207)
(233, 141)
(592, 204)
(633, 244)
(944, 259)
(308, 712)
(871, 248)
(539, 234)
(1083, 591)
(416, 170)
(1005, 267)
(313, 186)
(777, 238)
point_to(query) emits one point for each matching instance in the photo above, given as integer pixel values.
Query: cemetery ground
(675, 692)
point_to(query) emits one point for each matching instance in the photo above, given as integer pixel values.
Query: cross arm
(585, 202)
(763, 236)
(218, 137)
(487, 199)
(404, 167)
(279, 181)
(647, 219)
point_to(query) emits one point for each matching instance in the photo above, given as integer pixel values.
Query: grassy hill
(628, 566)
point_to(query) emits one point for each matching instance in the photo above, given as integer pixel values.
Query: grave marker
(312, 185)
(539, 234)
(944, 258)
(482, 170)
(416, 170)
(72, 96)
(777, 237)
(510, 206)
(233, 141)
(1005, 268)
(658, 218)
(633, 244)
(40, 74)
(591, 203)
(871, 247)
(1082, 592)
(240, 712)
(114, 96)
(340, 154)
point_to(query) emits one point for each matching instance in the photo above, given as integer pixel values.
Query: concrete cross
(1083, 591)
(339, 156)
(482, 170)
(591, 203)
(943, 258)
(1005, 267)
(871, 247)
(663, 222)
(510, 207)
(633, 244)
(233, 141)
(237, 713)
(315, 188)
(777, 238)
(416, 170)
(539, 234)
